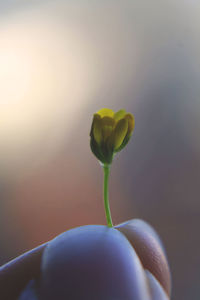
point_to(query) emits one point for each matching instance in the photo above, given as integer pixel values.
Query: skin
(15, 275)
(150, 250)
(92, 262)
(136, 233)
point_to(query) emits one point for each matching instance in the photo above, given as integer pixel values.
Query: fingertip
(149, 248)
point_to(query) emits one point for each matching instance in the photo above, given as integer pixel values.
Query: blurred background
(61, 61)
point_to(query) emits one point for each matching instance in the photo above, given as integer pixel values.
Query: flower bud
(110, 132)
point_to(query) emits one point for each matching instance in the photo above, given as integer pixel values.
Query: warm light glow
(15, 73)
(46, 78)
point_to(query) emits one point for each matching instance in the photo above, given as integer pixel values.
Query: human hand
(15, 275)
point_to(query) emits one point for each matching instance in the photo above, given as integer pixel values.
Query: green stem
(106, 169)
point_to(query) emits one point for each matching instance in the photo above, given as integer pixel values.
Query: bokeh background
(60, 61)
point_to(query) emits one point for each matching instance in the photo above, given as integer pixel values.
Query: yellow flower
(110, 133)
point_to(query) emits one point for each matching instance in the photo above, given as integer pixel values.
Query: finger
(156, 290)
(92, 262)
(149, 248)
(15, 274)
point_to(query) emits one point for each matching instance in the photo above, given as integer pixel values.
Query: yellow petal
(96, 128)
(107, 124)
(106, 112)
(107, 121)
(120, 132)
(131, 122)
(119, 114)
(106, 132)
